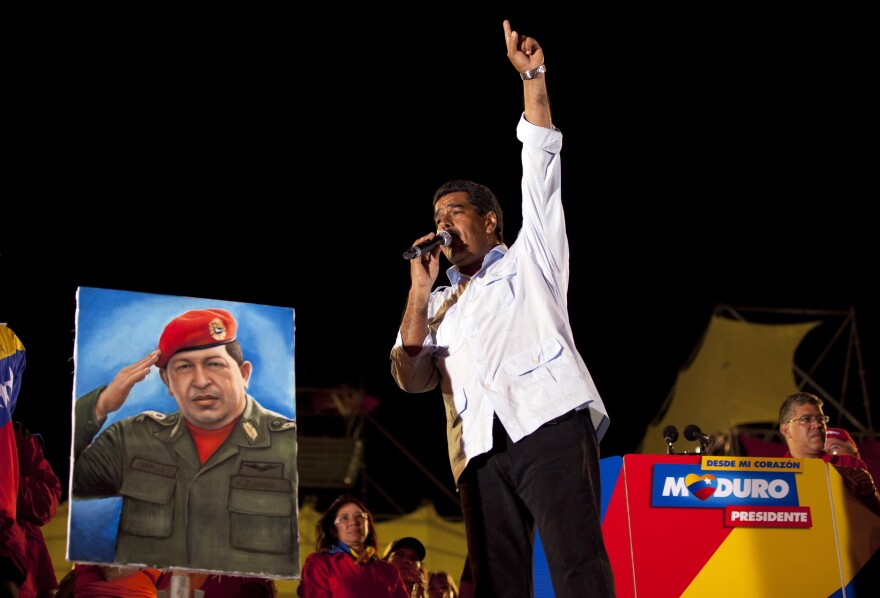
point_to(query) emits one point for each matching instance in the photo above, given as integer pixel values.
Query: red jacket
(842, 460)
(39, 493)
(326, 575)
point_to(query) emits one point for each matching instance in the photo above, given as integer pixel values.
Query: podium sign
(689, 525)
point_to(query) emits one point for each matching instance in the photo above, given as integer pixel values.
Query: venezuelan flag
(12, 362)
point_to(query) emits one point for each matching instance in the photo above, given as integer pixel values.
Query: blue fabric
(12, 364)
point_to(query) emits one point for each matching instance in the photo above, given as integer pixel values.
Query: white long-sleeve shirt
(506, 346)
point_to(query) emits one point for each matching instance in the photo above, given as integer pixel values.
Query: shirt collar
(495, 254)
(368, 554)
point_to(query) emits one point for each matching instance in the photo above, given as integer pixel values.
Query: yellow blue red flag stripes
(12, 363)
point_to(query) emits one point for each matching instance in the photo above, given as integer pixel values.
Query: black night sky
(290, 163)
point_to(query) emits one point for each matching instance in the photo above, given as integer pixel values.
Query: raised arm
(528, 58)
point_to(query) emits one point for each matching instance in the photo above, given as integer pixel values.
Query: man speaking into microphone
(441, 238)
(523, 415)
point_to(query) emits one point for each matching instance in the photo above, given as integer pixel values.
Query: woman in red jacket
(345, 564)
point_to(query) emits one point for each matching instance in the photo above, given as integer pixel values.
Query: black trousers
(550, 479)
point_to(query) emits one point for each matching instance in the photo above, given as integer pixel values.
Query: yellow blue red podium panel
(686, 525)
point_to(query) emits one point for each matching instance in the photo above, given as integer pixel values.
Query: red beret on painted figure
(196, 329)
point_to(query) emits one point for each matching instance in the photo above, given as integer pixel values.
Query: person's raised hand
(524, 52)
(413, 576)
(115, 394)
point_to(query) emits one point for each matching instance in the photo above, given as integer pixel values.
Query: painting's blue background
(117, 328)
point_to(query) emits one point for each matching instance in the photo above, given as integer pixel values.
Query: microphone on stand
(670, 435)
(692, 432)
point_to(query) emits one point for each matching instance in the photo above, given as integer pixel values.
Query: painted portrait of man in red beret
(176, 430)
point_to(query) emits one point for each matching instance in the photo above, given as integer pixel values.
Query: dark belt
(561, 418)
(556, 420)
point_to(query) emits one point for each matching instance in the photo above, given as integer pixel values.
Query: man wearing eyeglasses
(803, 426)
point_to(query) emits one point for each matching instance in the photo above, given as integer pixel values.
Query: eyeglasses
(353, 517)
(808, 419)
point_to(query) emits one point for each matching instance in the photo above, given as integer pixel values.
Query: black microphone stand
(670, 435)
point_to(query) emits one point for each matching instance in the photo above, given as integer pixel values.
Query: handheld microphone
(442, 238)
(693, 432)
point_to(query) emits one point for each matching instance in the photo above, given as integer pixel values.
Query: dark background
(708, 158)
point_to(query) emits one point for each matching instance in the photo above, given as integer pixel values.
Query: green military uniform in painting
(237, 511)
(211, 486)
